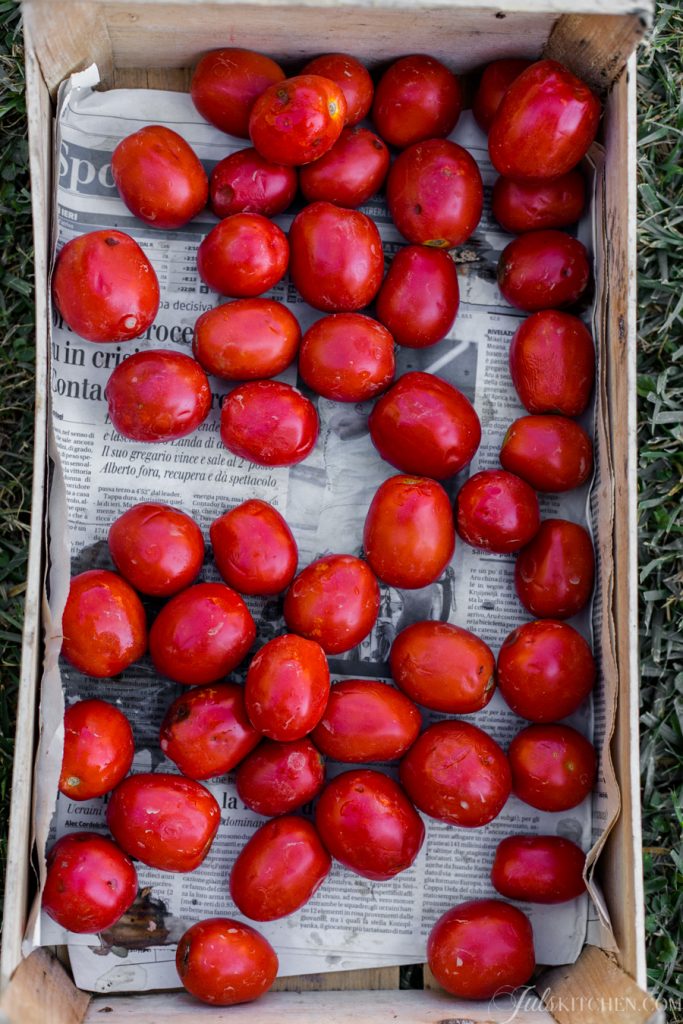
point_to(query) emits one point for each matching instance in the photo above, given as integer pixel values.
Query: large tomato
(538, 869)
(347, 357)
(244, 182)
(534, 205)
(366, 720)
(416, 98)
(287, 687)
(254, 549)
(552, 363)
(158, 548)
(350, 173)
(495, 81)
(552, 453)
(104, 626)
(553, 767)
(497, 511)
(543, 269)
(296, 121)
(269, 423)
(224, 962)
(243, 256)
(352, 78)
(279, 777)
(554, 574)
(90, 883)
(98, 749)
(247, 339)
(419, 299)
(226, 84)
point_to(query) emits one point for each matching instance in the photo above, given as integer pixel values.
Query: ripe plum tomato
(457, 773)
(105, 287)
(254, 549)
(158, 395)
(166, 821)
(435, 194)
(552, 453)
(90, 883)
(298, 120)
(201, 634)
(534, 205)
(279, 869)
(408, 536)
(104, 625)
(244, 182)
(543, 269)
(247, 339)
(335, 601)
(495, 81)
(419, 298)
(352, 78)
(545, 123)
(98, 749)
(497, 511)
(336, 257)
(226, 84)
(224, 962)
(279, 777)
(443, 667)
(481, 948)
(368, 824)
(287, 687)
(158, 548)
(425, 425)
(269, 423)
(347, 357)
(553, 767)
(366, 720)
(350, 172)
(538, 869)
(416, 98)
(554, 573)
(552, 363)
(206, 731)
(244, 255)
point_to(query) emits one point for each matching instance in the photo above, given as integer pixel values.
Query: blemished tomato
(246, 183)
(225, 962)
(534, 205)
(158, 548)
(425, 425)
(98, 749)
(366, 720)
(254, 549)
(104, 626)
(347, 357)
(497, 511)
(269, 423)
(201, 634)
(457, 773)
(368, 824)
(409, 537)
(105, 287)
(287, 687)
(336, 261)
(419, 298)
(553, 767)
(90, 883)
(279, 869)
(543, 269)
(554, 573)
(538, 869)
(443, 667)
(226, 84)
(495, 81)
(350, 172)
(158, 395)
(552, 453)
(552, 363)
(243, 256)
(279, 777)
(352, 78)
(166, 821)
(481, 948)
(298, 120)
(545, 123)
(247, 339)
(416, 98)
(207, 732)
(335, 601)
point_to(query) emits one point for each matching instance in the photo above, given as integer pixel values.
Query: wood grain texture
(67, 36)
(596, 46)
(369, 979)
(41, 992)
(595, 990)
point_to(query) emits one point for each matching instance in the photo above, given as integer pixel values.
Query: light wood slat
(596, 46)
(41, 992)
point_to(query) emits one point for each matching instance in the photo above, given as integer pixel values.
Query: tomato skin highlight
(226, 83)
(555, 572)
(366, 720)
(416, 98)
(495, 81)
(157, 548)
(552, 453)
(280, 777)
(520, 206)
(352, 77)
(244, 182)
(254, 549)
(104, 625)
(269, 423)
(419, 298)
(296, 121)
(287, 687)
(243, 256)
(543, 269)
(225, 962)
(350, 173)
(553, 767)
(497, 511)
(90, 883)
(247, 339)
(98, 749)
(552, 363)
(347, 357)
(538, 869)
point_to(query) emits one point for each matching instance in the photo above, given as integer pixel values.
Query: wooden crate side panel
(67, 36)
(596, 46)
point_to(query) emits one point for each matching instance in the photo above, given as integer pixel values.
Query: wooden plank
(498, 6)
(67, 36)
(595, 990)
(596, 46)
(367, 979)
(41, 992)
(174, 79)
(130, 78)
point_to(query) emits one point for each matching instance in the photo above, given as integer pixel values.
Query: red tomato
(279, 869)
(226, 84)
(201, 634)
(533, 205)
(545, 123)
(335, 601)
(246, 183)
(542, 269)
(408, 536)
(365, 721)
(224, 962)
(347, 357)
(552, 363)
(158, 395)
(368, 824)
(296, 121)
(553, 767)
(105, 287)
(352, 78)
(336, 257)
(443, 667)
(551, 453)
(98, 749)
(416, 98)
(425, 425)
(244, 255)
(269, 423)
(247, 339)
(538, 869)
(419, 299)
(206, 731)
(104, 626)
(279, 777)
(254, 549)
(497, 511)
(158, 548)
(166, 821)
(457, 773)
(350, 172)
(287, 687)
(554, 573)
(495, 81)
(481, 949)
(90, 883)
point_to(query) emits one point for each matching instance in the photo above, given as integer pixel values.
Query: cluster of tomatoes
(278, 728)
